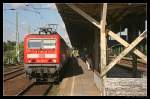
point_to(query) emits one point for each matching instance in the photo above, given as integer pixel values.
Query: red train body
(44, 56)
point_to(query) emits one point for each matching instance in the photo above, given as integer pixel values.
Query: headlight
(29, 61)
(54, 60)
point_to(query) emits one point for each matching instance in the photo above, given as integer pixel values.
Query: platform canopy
(119, 17)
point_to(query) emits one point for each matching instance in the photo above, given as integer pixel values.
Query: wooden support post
(103, 39)
(125, 52)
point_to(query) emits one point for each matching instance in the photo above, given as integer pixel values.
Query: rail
(28, 89)
(13, 74)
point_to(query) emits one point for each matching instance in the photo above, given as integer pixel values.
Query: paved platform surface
(78, 80)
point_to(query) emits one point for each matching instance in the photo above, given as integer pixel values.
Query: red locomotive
(44, 55)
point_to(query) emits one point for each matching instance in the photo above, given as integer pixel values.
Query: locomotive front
(42, 57)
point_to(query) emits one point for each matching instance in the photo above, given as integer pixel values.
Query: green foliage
(21, 52)
(9, 57)
(9, 45)
(9, 50)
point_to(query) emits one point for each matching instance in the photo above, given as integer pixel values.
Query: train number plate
(41, 55)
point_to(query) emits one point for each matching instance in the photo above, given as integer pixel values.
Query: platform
(78, 80)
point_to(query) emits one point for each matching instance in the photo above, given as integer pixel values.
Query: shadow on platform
(72, 68)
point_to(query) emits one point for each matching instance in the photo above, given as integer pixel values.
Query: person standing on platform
(86, 58)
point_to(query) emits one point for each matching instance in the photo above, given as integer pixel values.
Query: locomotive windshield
(49, 43)
(34, 44)
(42, 43)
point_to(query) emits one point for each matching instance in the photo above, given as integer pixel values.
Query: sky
(33, 16)
(30, 17)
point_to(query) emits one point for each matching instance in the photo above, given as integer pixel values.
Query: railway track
(36, 89)
(12, 74)
(10, 68)
(14, 66)
(127, 62)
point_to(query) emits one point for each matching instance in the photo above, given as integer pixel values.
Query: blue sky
(33, 15)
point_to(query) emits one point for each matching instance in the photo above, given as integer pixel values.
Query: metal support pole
(16, 32)
(17, 38)
(28, 28)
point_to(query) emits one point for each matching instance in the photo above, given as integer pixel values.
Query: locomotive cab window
(43, 43)
(35, 44)
(51, 44)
